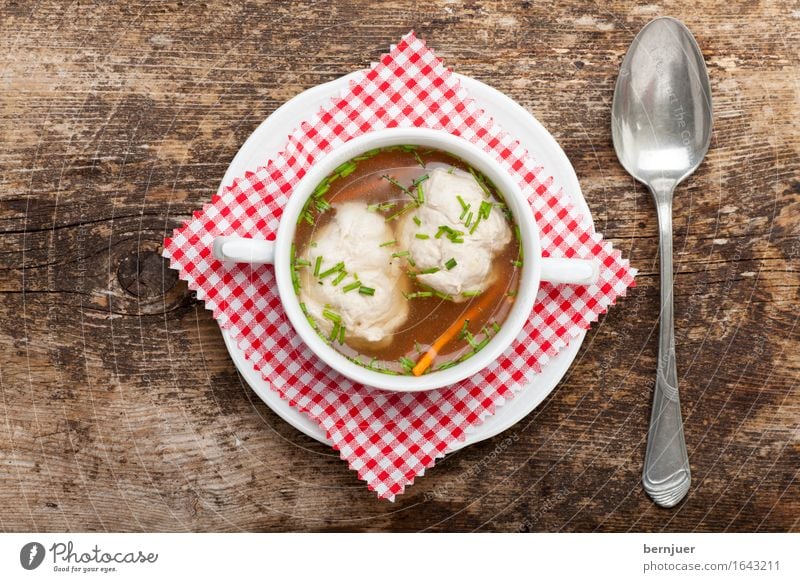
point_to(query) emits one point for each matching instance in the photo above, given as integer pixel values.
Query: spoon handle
(666, 475)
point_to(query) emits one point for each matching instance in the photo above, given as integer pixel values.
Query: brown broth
(429, 317)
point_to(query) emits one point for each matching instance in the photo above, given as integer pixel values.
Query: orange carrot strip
(427, 358)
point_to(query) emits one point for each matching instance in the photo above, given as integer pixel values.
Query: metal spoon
(661, 125)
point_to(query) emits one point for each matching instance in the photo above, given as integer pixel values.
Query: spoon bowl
(662, 114)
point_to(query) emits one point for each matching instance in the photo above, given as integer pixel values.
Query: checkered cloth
(389, 438)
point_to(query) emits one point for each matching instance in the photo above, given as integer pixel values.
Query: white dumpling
(473, 272)
(354, 237)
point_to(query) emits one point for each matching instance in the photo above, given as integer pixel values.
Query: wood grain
(122, 411)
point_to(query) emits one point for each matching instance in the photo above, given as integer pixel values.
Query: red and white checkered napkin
(389, 439)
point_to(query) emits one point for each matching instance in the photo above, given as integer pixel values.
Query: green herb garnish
(400, 254)
(350, 286)
(421, 236)
(394, 182)
(471, 293)
(334, 269)
(345, 169)
(417, 221)
(342, 274)
(407, 363)
(401, 212)
(419, 294)
(366, 290)
(388, 243)
(450, 264)
(331, 316)
(317, 265)
(454, 236)
(381, 207)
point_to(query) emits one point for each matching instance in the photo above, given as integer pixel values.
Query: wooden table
(121, 407)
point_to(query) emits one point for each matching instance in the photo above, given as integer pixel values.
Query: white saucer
(267, 141)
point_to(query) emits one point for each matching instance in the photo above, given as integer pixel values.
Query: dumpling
(366, 290)
(437, 236)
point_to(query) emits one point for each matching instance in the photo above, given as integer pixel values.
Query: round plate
(270, 137)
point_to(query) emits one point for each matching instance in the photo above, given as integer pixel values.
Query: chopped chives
(334, 269)
(464, 205)
(407, 363)
(420, 194)
(366, 290)
(511, 293)
(317, 265)
(388, 243)
(444, 296)
(464, 212)
(481, 344)
(481, 182)
(400, 254)
(323, 187)
(331, 316)
(516, 231)
(381, 207)
(454, 236)
(401, 212)
(429, 271)
(516, 263)
(345, 169)
(342, 274)
(350, 286)
(495, 326)
(399, 185)
(484, 210)
(450, 264)
(307, 216)
(419, 159)
(335, 331)
(469, 220)
(419, 294)
(367, 155)
(417, 221)
(302, 263)
(341, 335)
(411, 261)
(419, 180)
(471, 293)
(474, 226)
(421, 236)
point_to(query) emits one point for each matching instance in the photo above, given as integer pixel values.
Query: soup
(406, 260)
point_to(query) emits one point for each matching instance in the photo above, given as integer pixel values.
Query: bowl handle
(235, 249)
(572, 271)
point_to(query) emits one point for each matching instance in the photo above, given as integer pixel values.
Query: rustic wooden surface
(121, 409)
